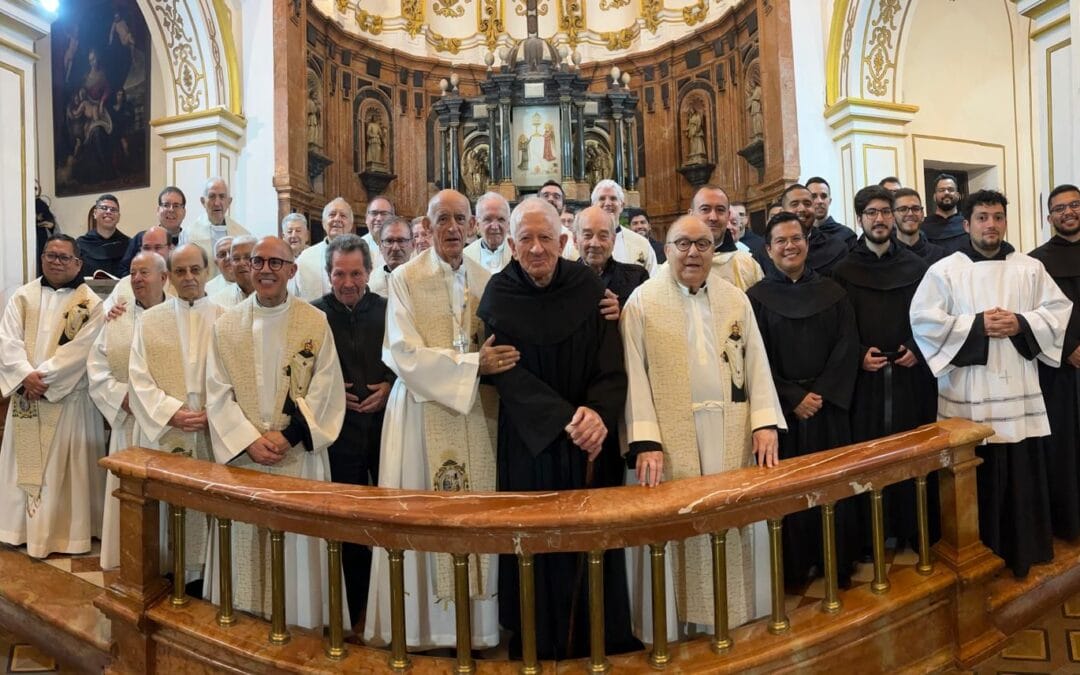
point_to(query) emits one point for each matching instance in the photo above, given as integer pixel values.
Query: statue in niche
(695, 134)
(314, 111)
(598, 162)
(375, 133)
(757, 117)
(475, 171)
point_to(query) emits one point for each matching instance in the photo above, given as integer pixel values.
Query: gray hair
(330, 205)
(160, 265)
(579, 216)
(242, 240)
(490, 197)
(224, 240)
(344, 244)
(210, 181)
(534, 203)
(608, 183)
(434, 201)
(291, 218)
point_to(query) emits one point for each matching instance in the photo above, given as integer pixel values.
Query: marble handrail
(542, 522)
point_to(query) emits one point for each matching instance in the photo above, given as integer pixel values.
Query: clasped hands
(587, 431)
(874, 360)
(34, 386)
(269, 449)
(1000, 323)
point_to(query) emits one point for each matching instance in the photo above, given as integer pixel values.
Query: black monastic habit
(570, 357)
(948, 233)
(812, 341)
(838, 230)
(354, 456)
(622, 278)
(894, 398)
(1061, 391)
(931, 253)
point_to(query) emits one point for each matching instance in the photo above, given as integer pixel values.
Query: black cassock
(894, 398)
(570, 357)
(931, 253)
(622, 278)
(810, 335)
(1061, 391)
(825, 252)
(948, 233)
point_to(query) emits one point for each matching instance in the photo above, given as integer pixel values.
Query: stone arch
(863, 58)
(193, 41)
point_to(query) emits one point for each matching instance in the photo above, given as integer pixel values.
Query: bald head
(156, 240)
(148, 278)
(689, 251)
(270, 283)
(216, 199)
(451, 220)
(187, 271)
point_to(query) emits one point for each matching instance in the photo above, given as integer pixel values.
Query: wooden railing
(939, 607)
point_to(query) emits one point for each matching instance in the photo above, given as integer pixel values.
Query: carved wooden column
(140, 583)
(962, 551)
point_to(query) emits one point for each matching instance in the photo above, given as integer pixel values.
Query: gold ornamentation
(879, 56)
(541, 9)
(185, 61)
(650, 14)
(215, 52)
(342, 5)
(369, 23)
(572, 21)
(490, 23)
(449, 8)
(413, 13)
(613, 4)
(444, 44)
(619, 39)
(845, 58)
(695, 13)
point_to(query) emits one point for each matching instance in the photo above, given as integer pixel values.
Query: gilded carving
(413, 13)
(451, 9)
(650, 14)
(613, 4)
(879, 47)
(849, 32)
(342, 5)
(695, 13)
(619, 39)
(215, 52)
(369, 23)
(185, 61)
(490, 23)
(541, 8)
(572, 21)
(444, 44)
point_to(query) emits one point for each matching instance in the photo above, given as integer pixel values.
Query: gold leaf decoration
(695, 13)
(613, 4)
(369, 23)
(413, 13)
(449, 8)
(490, 24)
(444, 44)
(619, 39)
(650, 13)
(342, 5)
(572, 22)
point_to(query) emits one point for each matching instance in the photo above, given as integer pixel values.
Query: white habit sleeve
(938, 333)
(641, 424)
(440, 375)
(152, 407)
(106, 391)
(324, 406)
(1049, 318)
(65, 369)
(14, 365)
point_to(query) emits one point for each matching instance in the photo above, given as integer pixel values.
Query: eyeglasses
(1060, 208)
(904, 210)
(380, 214)
(874, 213)
(684, 244)
(171, 206)
(396, 241)
(58, 257)
(108, 209)
(275, 264)
(784, 241)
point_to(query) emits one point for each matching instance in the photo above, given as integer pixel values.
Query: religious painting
(101, 97)
(535, 151)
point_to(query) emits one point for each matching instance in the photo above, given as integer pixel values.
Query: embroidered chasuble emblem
(300, 370)
(734, 355)
(451, 477)
(74, 319)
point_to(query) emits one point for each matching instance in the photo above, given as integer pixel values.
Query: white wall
(138, 208)
(254, 197)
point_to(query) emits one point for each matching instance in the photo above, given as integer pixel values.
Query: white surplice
(153, 408)
(379, 280)
(449, 378)
(1004, 393)
(377, 260)
(206, 236)
(705, 349)
(492, 261)
(231, 432)
(216, 285)
(311, 281)
(108, 392)
(73, 485)
(230, 296)
(632, 248)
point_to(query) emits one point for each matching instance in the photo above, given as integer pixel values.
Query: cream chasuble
(51, 488)
(632, 248)
(246, 388)
(699, 384)
(107, 371)
(167, 371)
(438, 434)
(738, 268)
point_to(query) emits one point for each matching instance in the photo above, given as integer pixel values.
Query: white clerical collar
(194, 304)
(497, 249)
(445, 266)
(272, 311)
(701, 292)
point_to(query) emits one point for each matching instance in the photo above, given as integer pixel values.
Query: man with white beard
(107, 370)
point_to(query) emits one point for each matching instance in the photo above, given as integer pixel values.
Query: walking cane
(579, 574)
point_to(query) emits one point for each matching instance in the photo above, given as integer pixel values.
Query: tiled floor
(86, 566)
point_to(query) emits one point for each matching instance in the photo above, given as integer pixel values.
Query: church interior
(297, 102)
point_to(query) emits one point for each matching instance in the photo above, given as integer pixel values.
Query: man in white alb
(240, 254)
(215, 223)
(311, 282)
(396, 242)
(630, 247)
(493, 221)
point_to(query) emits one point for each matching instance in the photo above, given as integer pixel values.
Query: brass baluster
(598, 663)
(178, 514)
(880, 584)
(462, 610)
(399, 658)
(659, 656)
(778, 622)
(335, 648)
(279, 632)
(722, 638)
(924, 566)
(527, 592)
(830, 604)
(225, 616)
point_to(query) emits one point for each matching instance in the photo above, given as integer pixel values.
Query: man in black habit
(357, 318)
(824, 251)
(945, 226)
(557, 414)
(812, 341)
(594, 230)
(894, 390)
(1061, 385)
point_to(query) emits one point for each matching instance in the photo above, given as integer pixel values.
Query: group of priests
(550, 353)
